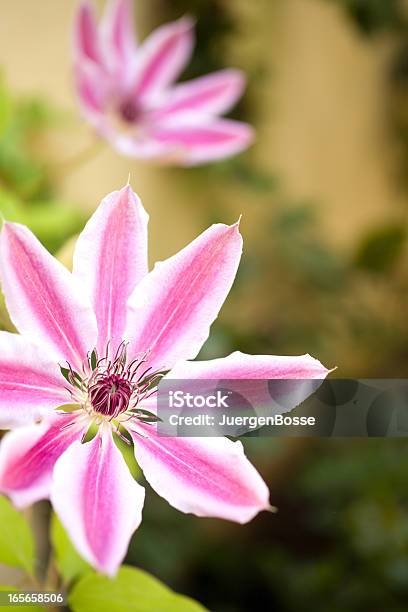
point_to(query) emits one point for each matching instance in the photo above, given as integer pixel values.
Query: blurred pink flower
(128, 93)
(117, 326)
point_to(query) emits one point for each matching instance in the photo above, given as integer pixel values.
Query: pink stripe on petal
(98, 501)
(111, 258)
(92, 87)
(31, 383)
(172, 308)
(202, 476)
(162, 57)
(118, 29)
(43, 299)
(200, 140)
(214, 94)
(28, 456)
(86, 36)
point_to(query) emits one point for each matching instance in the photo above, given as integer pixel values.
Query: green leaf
(65, 373)
(94, 359)
(132, 590)
(14, 607)
(146, 416)
(128, 453)
(70, 565)
(54, 222)
(381, 248)
(16, 540)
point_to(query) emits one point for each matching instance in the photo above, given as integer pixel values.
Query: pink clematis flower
(98, 339)
(128, 93)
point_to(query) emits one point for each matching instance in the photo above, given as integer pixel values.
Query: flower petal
(134, 146)
(118, 31)
(204, 476)
(28, 456)
(172, 308)
(213, 94)
(97, 500)
(86, 35)
(30, 383)
(43, 299)
(242, 366)
(93, 90)
(162, 57)
(238, 371)
(111, 258)
(198, 139)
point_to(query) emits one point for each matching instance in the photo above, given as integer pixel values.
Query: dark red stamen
(129, 111)
(110, 395)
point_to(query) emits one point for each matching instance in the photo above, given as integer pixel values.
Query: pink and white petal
(137, 146)
(249, 376)
(31, 384)
(87, 45)
(212, 94)
(203, 476)
(242, 366)
(92, 86)
(110, 258)
(172, 308)
(28, 456)
(162, 57)
(97, 501)
(118, 32)
(44, 301)
(197, 139)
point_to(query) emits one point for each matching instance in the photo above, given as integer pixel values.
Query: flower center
(129, 111)
(110, 395)
(111, 388)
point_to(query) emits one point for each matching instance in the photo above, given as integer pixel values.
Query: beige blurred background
(320, 114)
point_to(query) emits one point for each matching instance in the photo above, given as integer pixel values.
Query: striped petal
(242, 366)
(197, 139)
(162, 57)
(172, 308)
(44, 301)
(97, 500)
(31, 384)
(93, 89)
(118, 31)
(251, 375)
(28, 456)
(212, 94)
(87, 45)
(202, 476)
(111, 258)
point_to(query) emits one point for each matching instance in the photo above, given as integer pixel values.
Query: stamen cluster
(110, 387)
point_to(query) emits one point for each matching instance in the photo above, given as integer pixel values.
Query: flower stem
(52, 579)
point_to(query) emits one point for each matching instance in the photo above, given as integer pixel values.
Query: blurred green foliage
(16, 539)
(27, 182)
(337, 304)
(338, 542)
(131, 590)
(381, 248)
(69, 563)
(373, 16)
